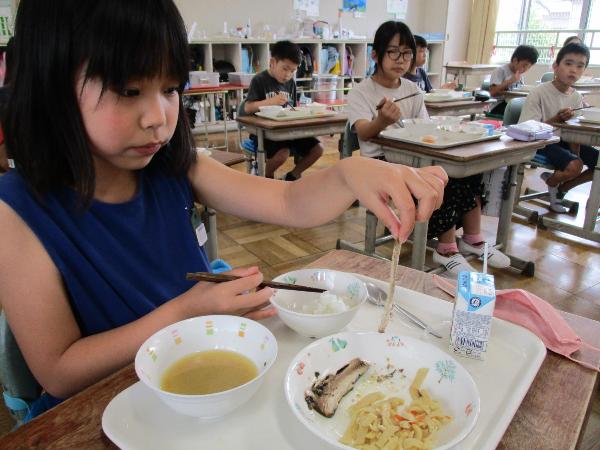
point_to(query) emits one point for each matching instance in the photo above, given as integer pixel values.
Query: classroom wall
(279, 14)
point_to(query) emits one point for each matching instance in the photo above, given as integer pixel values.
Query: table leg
(419, 246)
(209, 218)
(260, 152)
(370, 232)
(593, 203)
(224, 114)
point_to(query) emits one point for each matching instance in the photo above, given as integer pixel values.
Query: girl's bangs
(128, 42)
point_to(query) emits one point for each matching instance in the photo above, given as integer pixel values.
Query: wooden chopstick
(378, 107)
(583, 107)
(220, 277)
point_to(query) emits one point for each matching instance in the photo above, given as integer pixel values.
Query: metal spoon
(378, 297)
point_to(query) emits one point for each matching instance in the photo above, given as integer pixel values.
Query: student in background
(101, 210)
(417, 74)
(572, 40)
(371, 109)
(554, 101)
(276, 86)
(510, 76)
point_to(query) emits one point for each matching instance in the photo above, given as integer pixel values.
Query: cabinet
(252, 55)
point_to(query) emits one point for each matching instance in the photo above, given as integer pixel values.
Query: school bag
(20, 386)
(306, 66)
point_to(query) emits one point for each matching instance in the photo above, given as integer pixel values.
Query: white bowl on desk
(233, 333)
(270, 109)
(297, 309)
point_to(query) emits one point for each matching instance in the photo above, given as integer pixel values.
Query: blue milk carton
(472, 314)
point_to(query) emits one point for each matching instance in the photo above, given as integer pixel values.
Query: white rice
(327, 303)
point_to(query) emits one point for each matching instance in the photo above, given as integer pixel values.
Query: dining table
(552, 414)
(274, 130)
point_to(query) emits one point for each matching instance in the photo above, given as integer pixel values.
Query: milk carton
(472, 314)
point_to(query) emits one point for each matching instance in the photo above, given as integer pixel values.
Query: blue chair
(548, 76)
(512, 113)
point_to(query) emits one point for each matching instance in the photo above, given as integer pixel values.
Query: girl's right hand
(236, 297)
(389, 113)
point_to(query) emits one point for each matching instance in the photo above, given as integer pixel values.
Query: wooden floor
(567, 268)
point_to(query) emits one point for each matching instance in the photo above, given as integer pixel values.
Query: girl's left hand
(374, 182)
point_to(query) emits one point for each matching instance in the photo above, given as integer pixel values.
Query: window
(545, 25)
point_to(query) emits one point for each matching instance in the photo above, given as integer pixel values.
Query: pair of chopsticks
(220, 278)
(378, 107)
(583, 107)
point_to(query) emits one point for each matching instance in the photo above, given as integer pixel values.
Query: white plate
(444, 139)
(447, 381)
(137, 419)
(295, 115)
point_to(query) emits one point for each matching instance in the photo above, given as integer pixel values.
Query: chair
(548, 76)
(247, 146)
(348, 142)
(512, 113)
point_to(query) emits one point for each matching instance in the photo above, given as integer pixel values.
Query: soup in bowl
(206, 366)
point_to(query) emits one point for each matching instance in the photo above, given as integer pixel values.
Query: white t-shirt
(545, 101)
(364, 98)
(502, 73)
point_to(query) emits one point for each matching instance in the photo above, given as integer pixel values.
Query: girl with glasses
(371, 109)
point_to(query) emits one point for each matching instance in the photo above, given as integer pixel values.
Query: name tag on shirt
(198, 227)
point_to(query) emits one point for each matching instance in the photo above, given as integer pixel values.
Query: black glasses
(395, 54)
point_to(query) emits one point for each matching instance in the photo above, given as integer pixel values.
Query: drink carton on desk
(472, 314)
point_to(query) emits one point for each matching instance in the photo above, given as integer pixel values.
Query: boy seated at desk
(554, 101)
(417, 73)
(510, 76)
(276, 86)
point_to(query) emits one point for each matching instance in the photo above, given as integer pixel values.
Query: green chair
(548, 76)
(513, 111)
(348, 142)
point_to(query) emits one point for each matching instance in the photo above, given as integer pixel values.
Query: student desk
(508, 95)
(460, 162)
(577, 132)
(209, 215)
(553, 413)
(457, 108)
(462, 70)
(224, 90)
(591, 88)
(291, 129)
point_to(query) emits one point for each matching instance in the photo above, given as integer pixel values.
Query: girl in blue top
(96, 218)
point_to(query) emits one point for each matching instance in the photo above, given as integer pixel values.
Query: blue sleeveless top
(118, 261)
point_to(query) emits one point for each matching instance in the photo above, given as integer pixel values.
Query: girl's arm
(36, 304)
(323, 195)
(388, 114)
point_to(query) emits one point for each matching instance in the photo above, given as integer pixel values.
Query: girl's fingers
(261, 313)
(254, 300)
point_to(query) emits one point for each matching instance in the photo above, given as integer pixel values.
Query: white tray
(583, 119)
(446, 139)
(137, 419)
(439, 98)
(296, 115)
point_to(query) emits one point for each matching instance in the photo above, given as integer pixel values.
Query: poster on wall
(359, 6)
(311, 7)
(397, 7)
(5, 23)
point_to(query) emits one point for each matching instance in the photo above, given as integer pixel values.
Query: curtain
(482, 31)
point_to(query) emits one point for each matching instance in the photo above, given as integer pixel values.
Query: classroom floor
(567, 268)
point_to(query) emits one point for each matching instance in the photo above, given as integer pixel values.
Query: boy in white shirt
(510, 76)
(555, 101)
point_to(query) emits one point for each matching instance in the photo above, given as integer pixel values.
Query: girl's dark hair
(385, 33)
(116, 42)
(578, 49)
